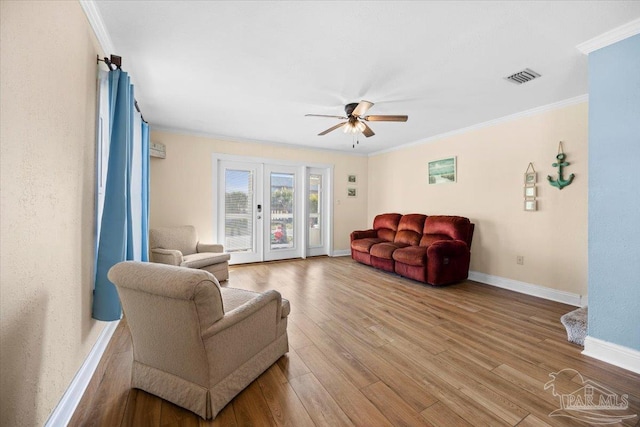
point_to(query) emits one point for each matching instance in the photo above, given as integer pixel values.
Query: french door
(269, 212)
(240, 210)
(283, 210)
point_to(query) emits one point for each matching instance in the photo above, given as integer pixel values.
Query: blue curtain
(124, 222)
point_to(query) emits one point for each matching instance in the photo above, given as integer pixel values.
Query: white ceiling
(251, 70)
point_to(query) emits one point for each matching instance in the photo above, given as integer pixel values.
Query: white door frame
(301, 199)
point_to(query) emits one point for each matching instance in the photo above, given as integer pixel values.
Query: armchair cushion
(182, 238)
(201, 260)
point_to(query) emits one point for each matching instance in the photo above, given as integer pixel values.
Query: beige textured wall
(48, 74)
(181, 190)
(491, 163)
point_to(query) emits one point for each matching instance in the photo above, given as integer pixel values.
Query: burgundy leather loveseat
(431, 249)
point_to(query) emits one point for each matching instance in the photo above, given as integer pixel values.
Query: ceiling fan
(355, 119)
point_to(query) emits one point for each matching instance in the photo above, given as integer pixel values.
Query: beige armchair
(180, 246)
(194, 343)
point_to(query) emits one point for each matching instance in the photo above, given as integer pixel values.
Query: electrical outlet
(520, 260)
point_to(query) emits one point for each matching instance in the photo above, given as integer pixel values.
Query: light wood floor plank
(357, 407)
(411, 391)
(393, 406)
(439, 415)
(286, 408)
(322, 408)
(336, 355)
(251, 407)
(292, 366)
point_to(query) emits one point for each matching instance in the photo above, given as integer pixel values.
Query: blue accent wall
(614, 193)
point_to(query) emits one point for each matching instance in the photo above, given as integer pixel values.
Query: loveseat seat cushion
(364, 245)
(411, 255)
(385, 250)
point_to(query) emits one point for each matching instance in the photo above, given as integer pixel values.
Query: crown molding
(227, 138)
(610, 37)
(527, 113)
(97, 24)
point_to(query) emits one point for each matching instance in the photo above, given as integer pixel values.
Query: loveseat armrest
(444, 250)
(363, 234)
(209, 247)
(166, 256)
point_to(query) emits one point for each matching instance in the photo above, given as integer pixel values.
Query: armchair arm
(209, 247)
(166, 256)
(244, 311)
(363, 234)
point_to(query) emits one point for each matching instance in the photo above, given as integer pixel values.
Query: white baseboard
(530, 289)
(623, 357)
(62, 413)
(342, 252)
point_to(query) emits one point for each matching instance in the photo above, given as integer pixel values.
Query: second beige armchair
(180, 246)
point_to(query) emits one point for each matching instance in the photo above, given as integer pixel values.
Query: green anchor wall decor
(560, 182)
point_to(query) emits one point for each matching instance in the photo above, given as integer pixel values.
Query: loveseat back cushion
(386, 225)
(182, 238)
(410, 229)
(428, 239)
(455, 227)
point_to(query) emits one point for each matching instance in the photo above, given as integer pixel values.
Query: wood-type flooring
(369, 348)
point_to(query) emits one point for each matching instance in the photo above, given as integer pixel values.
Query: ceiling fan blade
(331, 129)
(362, 108)
(386, 118)
(325, 115)
(367, 130)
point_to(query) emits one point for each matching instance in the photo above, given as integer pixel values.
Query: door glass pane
(238, 210)
(315, 203)
(282, 208)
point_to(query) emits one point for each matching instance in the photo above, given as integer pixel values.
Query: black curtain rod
(115, 63)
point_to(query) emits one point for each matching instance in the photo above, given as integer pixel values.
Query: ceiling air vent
(523, 76)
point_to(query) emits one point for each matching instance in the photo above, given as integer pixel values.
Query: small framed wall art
(352, 192)
(530, 205)
(530, 189)
(530, 192)
(530, 178)
(352, 179)
(443, 171)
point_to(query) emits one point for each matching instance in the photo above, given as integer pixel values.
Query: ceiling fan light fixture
(354, 126)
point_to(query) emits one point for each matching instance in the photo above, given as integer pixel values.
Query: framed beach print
(352, 179)
(442, 171)
(352, 192)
